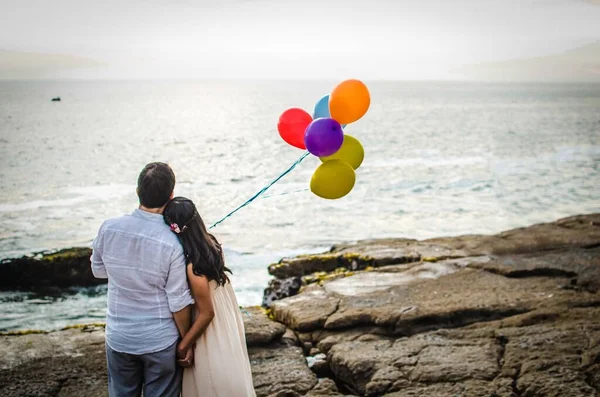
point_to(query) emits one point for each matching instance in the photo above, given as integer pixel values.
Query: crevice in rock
(541, 272)
(502, 342)
(514, 384)
(525, 273)
(584, 305)
(337, 307)
(454, 319)
(341, 386)
(590, 367)
(589, 380)
(587, 345)
(407, 309)
(418, 355)
(581, 286)
(591, 246)
(345, 389)
(61, 382)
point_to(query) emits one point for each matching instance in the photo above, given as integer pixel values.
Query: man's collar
(138, 213)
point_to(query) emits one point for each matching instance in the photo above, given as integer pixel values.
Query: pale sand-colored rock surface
(514, 314)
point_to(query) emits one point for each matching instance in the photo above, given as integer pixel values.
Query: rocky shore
(513, 314)
(49, 271)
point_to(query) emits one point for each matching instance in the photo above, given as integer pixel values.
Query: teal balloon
(322, 109)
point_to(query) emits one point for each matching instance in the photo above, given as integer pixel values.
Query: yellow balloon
(332, 180)
(351, 153)
(349, 101)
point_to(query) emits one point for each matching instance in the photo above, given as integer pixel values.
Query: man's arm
(180, 300)
(178, 293)
(98, 269)
(183, 320)
(206, 312)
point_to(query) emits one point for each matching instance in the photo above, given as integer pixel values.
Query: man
(148, 294)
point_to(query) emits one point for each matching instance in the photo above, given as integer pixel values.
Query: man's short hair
(155, 185)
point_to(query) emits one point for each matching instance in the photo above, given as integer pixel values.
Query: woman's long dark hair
(201, 248)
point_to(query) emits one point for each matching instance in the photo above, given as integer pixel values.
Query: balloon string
(261, 191)
(285, 193)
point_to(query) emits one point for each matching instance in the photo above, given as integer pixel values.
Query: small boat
(56, 99)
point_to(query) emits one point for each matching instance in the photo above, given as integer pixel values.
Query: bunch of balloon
(322, 134)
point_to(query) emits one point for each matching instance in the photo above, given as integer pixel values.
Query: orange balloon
(349, 101)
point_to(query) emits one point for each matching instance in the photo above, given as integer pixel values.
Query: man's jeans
(157, 374)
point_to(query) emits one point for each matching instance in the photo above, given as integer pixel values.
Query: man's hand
(185, 355)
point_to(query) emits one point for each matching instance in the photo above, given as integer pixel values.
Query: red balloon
(291, 126)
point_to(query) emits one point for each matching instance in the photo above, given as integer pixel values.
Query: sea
(441, 158)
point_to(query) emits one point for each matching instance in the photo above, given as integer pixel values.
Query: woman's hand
(182, 349)
(185, 354)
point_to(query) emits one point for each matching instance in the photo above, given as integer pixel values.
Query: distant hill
(578, 65)
(26, 65)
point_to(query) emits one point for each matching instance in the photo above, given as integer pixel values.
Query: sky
(371, 39)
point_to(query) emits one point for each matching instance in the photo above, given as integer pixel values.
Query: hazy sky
(304, 39)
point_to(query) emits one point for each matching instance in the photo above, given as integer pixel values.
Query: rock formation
(514, 314)
(48, 270)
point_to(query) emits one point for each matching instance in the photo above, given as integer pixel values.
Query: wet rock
(281, 288)
(326, 339)
(581, 231)
(304, 337)
(280, 369)
(73, 342)
(370, 282)
(307, 347)
(462, 389)
(71, 362)
(593, 376)
(61, 363)
(581, 265)
(290, 338)
(480, 315)
(357, 259)
(66, 268)
(385, 252)
(325, 387)
(548, 359)
(324, 277)
(538, 360)
(307, 311)
(408, 305)
(303, 265)
(318, 364)
(285, 393)
(260, 330)
(516, 314)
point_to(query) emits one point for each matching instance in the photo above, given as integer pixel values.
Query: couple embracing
(173, 322)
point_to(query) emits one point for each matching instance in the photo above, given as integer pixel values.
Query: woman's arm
(201, 291)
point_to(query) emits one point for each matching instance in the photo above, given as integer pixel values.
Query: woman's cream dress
(221, 365)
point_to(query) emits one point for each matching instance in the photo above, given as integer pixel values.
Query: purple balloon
(323, 137)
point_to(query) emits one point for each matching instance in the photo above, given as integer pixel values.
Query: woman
(221, 368)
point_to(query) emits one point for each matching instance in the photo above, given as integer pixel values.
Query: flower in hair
(175, 228)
